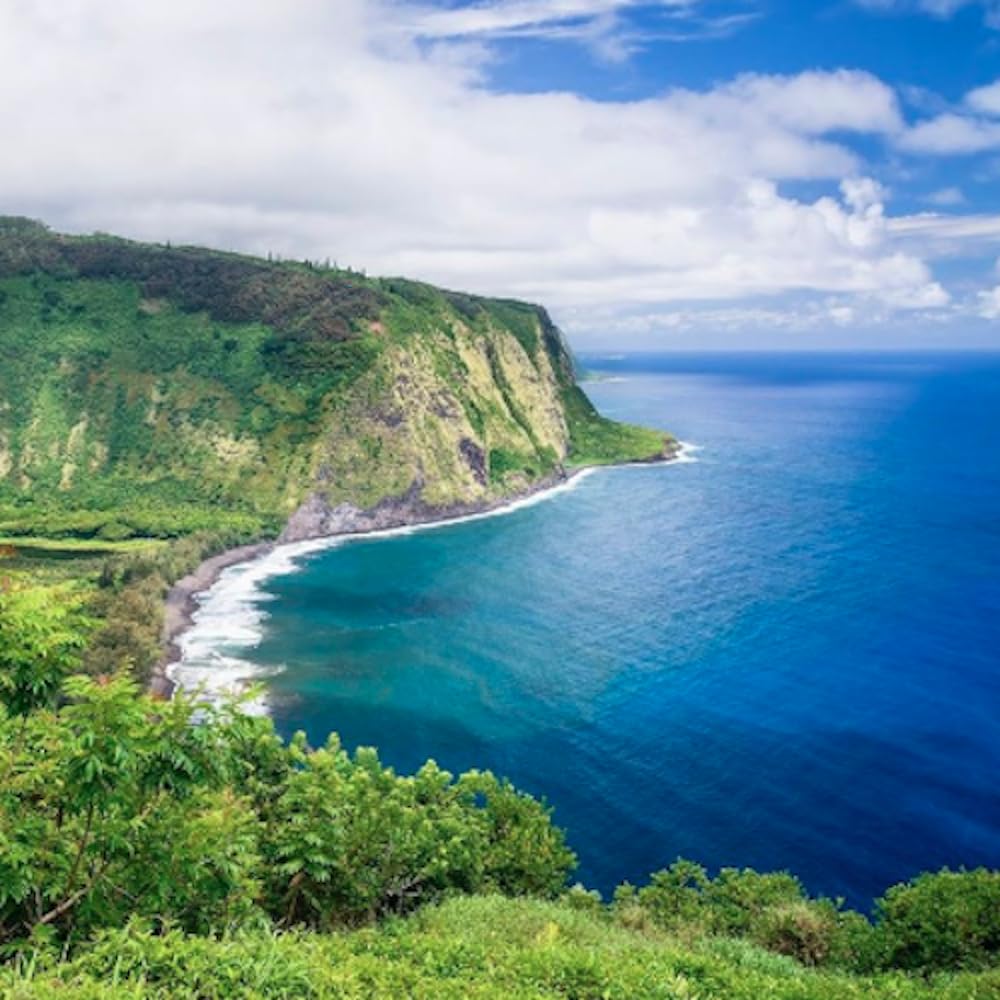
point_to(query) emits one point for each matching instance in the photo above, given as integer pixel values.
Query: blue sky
(944, 55)
(678, 173)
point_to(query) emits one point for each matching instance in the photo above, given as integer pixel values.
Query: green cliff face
(149, 390)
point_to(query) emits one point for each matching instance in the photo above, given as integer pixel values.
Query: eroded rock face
(475, 457)
(320, 517)
(458, 397)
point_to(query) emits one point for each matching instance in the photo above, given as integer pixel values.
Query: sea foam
(688, 453)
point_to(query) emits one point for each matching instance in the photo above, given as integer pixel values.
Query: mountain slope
(151, 390)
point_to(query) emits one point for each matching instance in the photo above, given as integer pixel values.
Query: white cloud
(764, 322)
(606, 27)
(989, 303)
(985, 100)
(808, 104)
(951, 134)
(942, 236)
(593, 23)
(932, 231)
(500, 17)
(969, 128)
(948, 197)
(319, 129)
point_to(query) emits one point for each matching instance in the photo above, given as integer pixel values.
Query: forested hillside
(147, 390)
(161, 404)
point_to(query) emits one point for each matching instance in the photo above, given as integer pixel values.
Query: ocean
(781, 653)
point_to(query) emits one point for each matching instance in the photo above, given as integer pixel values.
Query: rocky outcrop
(321, 517)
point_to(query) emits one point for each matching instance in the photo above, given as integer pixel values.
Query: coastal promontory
(151, 390)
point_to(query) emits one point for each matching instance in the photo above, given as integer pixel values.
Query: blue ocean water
(783, 655)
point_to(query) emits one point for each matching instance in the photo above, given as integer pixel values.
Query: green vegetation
(152, 392)
(126, 599)
(530, 466)
(481, 947)
(25, 546)
(595, 440)
(114, 806)
(163, 849)
(153, 395)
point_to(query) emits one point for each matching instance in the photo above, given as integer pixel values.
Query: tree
(42, 634)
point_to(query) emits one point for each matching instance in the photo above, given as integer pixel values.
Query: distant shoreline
(182, 602)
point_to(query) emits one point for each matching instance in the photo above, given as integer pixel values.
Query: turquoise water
(782, 655)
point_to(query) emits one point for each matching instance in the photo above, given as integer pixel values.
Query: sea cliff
(151, 391)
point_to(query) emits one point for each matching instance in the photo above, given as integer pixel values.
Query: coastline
(181, 603)
(182, 600)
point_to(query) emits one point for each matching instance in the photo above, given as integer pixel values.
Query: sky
(661, 174)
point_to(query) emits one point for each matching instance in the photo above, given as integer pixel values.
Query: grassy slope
(595, 440)
(475, 947)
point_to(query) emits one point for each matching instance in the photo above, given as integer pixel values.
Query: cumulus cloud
(968, 128)
(951, 134)
(321, 129)
(986, 99)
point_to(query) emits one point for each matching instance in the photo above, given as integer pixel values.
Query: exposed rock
(319, 518)
(475, 457)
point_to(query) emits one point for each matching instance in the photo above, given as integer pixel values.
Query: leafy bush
(805, 931)
(947, 920)
(42, 633)
(771, 909)
(116, 806)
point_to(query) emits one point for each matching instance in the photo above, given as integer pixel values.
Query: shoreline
(181, 603)
(182, 600)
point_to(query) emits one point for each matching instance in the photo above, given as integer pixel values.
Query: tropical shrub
(115, 806)
(947, 920)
